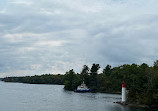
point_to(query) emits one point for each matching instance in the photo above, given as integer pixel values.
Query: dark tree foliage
(107, 70)
(38, 79)
(156, 64)
(85, 74)
(72, 80)
(93, 77)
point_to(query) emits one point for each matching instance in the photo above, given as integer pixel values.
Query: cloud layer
(54, 36)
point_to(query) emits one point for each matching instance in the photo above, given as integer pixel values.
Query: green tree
(107, 70)
(72, 80)
(84, 74)
(156, 64)
(69, 76)
(93, 77)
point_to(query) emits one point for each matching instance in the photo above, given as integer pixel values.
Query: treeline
(37, 79)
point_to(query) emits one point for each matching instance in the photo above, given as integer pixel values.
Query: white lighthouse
(123, 92)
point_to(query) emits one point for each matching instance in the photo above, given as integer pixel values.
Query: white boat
(82, 88)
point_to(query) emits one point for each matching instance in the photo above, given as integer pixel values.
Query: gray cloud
(54, 36)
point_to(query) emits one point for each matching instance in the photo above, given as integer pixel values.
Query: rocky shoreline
(137, 105)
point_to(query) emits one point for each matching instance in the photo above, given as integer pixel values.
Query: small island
(141, 81)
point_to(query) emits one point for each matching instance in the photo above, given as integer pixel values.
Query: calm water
(30, 97)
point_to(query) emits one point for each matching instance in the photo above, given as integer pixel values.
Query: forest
(37, 79)
(141, 80)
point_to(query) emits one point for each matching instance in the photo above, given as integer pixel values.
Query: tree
(95, 68)
(107, 70)
(93, 77)
(69, 76)
(84, 74)
(156, 64)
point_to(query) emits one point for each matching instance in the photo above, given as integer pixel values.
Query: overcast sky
(53, 36)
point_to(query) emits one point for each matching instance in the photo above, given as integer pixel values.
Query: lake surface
(31, 97)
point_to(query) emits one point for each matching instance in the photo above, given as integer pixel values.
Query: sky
(54, 36)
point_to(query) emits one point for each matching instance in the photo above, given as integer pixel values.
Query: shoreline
(153, 106)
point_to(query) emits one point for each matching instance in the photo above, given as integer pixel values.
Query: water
(31, 97)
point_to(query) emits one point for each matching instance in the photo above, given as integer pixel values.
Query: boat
(82, 88)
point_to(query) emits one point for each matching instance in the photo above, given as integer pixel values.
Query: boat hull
(87, 90)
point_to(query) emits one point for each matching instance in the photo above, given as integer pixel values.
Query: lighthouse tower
(123, 92)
